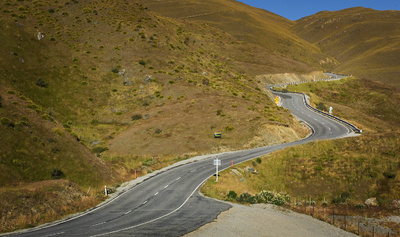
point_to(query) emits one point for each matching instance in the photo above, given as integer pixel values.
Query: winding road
(168, 203)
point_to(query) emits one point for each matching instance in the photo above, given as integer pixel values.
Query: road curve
(169, 204)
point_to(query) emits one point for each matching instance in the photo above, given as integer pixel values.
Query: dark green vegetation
(93, 90)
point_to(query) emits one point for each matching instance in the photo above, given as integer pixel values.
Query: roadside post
(105, 190)
(216, 163)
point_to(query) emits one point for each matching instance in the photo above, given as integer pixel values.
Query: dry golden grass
(364, 41)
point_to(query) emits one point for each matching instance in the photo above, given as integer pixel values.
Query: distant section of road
(168, 203)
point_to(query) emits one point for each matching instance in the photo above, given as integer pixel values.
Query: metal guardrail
(349, 125)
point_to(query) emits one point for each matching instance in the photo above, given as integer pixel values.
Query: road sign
(216, 163)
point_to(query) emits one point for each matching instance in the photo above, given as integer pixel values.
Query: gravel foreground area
(266, 220)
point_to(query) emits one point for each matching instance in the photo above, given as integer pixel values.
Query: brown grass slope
(338, 175)
(364, 41)
(248, 24)
(112, 75)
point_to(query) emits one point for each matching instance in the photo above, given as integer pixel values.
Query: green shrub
(232, 195)
(7, 122)
(389, 174)
(136, 116)
(57, 174)
(24, 124)
(229, 128)
(94, 122)
(142, 62)
(246, 198)
(41, 83)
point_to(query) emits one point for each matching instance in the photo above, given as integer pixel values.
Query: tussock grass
(364, 41)
(340, 173)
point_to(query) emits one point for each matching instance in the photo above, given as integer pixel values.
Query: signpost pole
(216, 174)
(216, 163)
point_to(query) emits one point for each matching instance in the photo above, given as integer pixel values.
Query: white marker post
(330, 110)
(216, 163)
(105, 190)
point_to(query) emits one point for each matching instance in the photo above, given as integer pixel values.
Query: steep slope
(248, 24)
(93, 87)
(100, 66)
(364, 41)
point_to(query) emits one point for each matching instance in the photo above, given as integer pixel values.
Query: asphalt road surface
(169, 204)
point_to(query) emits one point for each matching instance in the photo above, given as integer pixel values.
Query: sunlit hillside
(93, 91)
(366, 42)
(249, 24)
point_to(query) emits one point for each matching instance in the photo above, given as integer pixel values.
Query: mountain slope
(248, 24)
(364, 41)
(96, 90)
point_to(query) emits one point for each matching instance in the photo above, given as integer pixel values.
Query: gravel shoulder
(266, 220)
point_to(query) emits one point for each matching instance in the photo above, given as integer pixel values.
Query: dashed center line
(178, 178)
(166, 186)
(99, 223)
(144, 202)
(60, 233)
(156, 194)
(126, 213)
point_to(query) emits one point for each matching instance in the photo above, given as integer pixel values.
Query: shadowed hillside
(366, 42)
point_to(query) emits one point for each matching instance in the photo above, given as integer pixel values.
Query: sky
(296, 9)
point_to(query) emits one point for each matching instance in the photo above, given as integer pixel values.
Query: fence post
(313, 205)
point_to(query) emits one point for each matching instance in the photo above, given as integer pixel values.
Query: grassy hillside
(364, 41)
(267, 30)
(111, 87)
(350, 170)
(108, 87)
(45, 173)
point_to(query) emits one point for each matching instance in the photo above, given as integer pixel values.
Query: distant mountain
(266, 30)
(366, 42)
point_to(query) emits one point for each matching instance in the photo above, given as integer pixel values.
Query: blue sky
(296, 9)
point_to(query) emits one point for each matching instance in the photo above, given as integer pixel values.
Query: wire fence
(363, 221)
